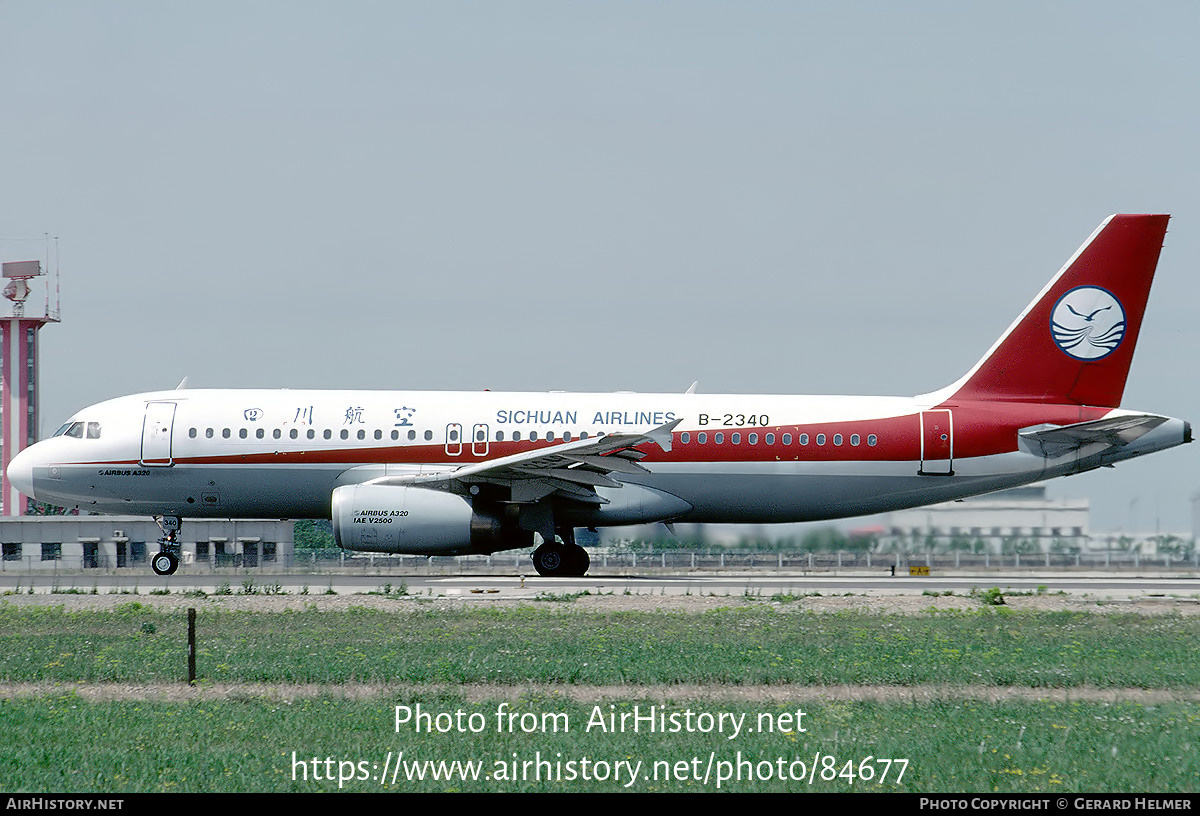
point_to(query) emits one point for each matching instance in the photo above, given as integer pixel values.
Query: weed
(988, 597)
(560, 596)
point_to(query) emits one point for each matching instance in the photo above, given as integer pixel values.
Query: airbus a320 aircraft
(453, 473)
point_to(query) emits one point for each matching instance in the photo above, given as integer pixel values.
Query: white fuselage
(732, 458)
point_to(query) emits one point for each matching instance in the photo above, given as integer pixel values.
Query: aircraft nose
(20, 472)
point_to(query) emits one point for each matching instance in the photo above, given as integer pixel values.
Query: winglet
(182, 384)
(692, 388)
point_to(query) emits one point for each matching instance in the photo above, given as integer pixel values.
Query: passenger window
(702, 438)
(735, 438)
(208, 433)
(837, 439)
(872, 439)
(412, 435)
(685, 437)
(752, 439)
(516, 436)
(499, 436)
(312, 434)
(719, 438)
(395, 435)
(820, 439)
(192, 433)
(787, 439)
(379, 434)
(242, 433)
(277, 433)
(550, 436)
(260, 433)
(345, 434)
(854, 439)
(770, 439)
(328, 434)
(225, 433)
(803, 439)
(428, 436)
(362, 434)
(294, 433)
(533, 436)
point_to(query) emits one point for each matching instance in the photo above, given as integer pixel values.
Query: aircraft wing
(570, 470)
(1115, 432)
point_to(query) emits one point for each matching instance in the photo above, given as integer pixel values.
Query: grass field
(528, 723)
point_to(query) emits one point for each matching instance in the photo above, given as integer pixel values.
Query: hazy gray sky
(785, 197)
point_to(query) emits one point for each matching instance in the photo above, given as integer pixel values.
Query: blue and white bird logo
(1088, 323)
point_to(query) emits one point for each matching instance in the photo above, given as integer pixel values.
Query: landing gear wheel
(580, 561)
(559, 561)
(164, 563)
(550, 560)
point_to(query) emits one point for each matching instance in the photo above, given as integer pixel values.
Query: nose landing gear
(166, 560)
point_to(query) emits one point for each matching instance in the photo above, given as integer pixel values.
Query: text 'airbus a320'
(453, 472)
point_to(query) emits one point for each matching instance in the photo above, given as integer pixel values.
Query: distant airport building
(1021, 520)
(120, 542)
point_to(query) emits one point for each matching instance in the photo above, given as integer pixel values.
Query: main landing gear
(562, 560)
(166, 560)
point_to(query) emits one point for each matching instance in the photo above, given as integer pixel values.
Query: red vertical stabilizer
(1074, 343)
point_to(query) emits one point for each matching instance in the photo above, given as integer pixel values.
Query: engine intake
(418, 521)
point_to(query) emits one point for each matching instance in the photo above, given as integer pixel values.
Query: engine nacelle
(418, 521)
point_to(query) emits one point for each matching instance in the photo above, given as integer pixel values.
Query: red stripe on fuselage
(979, 429)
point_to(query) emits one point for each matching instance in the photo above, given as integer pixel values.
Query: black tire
(164, 563)
(551, 560)
(580, 561)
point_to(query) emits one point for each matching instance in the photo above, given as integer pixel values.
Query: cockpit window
(74, 429)
(79, 429)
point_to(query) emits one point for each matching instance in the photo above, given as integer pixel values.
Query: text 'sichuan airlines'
(453, 472)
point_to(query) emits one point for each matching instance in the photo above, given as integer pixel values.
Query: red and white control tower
(19, 373)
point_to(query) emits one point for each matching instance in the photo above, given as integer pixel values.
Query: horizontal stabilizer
(1115, 432)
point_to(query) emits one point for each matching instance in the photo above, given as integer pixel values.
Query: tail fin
(1075, 342)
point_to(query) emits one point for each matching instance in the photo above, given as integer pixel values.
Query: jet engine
(420, 521)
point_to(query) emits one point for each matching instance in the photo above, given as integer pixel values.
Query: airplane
(444, 473)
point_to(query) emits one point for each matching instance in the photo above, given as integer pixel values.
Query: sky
(767, 197)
